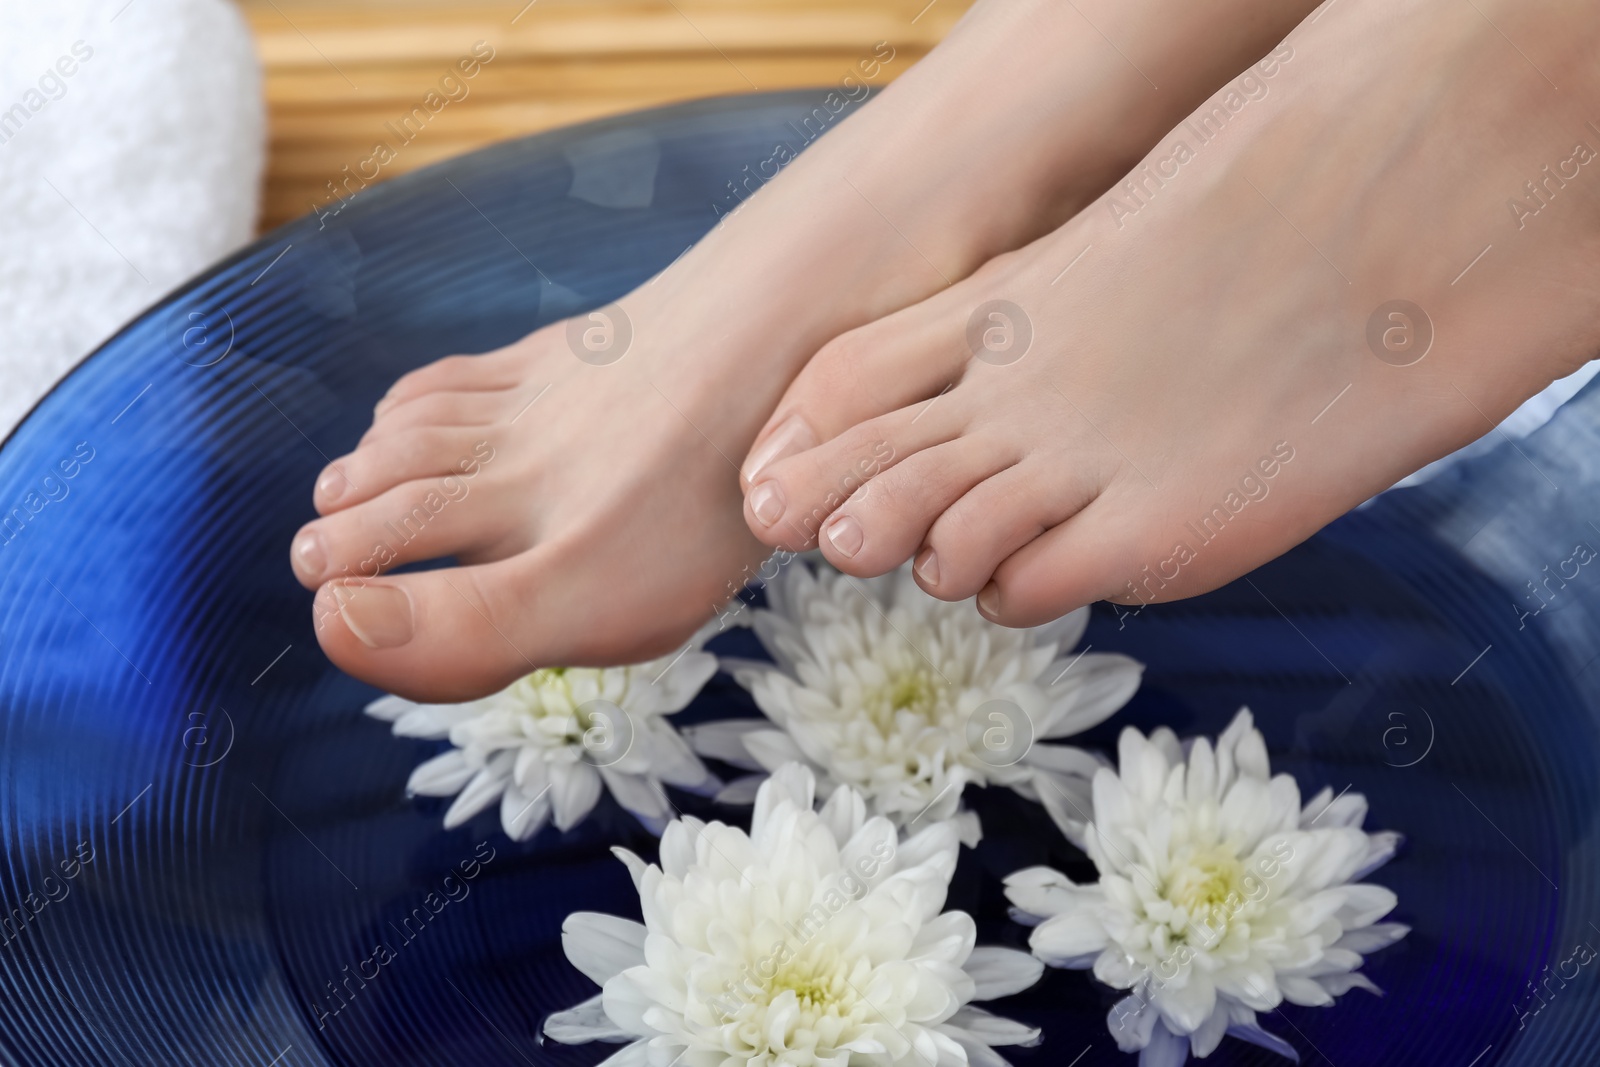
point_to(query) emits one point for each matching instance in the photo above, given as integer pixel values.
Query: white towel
(131, 149)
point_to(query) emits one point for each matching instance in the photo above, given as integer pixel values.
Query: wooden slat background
(338, 70)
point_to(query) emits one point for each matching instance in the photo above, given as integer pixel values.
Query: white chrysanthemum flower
(546, 744)
(908, 699)
(1219, 896)
(816, 939)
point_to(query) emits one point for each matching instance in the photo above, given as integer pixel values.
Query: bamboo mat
(342, 76)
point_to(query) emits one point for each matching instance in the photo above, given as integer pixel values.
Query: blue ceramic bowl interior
(204, 839)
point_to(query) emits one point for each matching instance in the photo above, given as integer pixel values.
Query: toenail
(928, 567)
(310, 561)
(766, 502)
(989, 600)
(792, 435)
(379, 615)
(331, 485)
(845, 534)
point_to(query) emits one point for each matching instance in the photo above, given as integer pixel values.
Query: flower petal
(844, 813)
(680, 680)
(1165, 1049)
(741, 791)
(602, 946)
(1372, 938)
(642, 796)
(1088, 692)
(1339, 984)
(1072, 939)
(772, 748)
(484, 789)
(1253, 1033)
(1365, 904)
(389, 708)
(1185, 1007)
(975, 1052)
(442, 776)
(670, 760)
(792, 783)
(725, 741)
(522, 816)
(991, 1029)
(1381, 848)
(1070, 802)
(585, 1022)
(635, 1055)
(1065, 760)
(1204, 1041)
(1000, 972)
(574, 789)
(1132, 1021)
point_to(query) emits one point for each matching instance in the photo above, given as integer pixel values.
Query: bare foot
(602, 525)
(1356, 258)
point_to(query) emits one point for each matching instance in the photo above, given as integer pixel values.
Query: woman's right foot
(601, 523)
(1301, 297)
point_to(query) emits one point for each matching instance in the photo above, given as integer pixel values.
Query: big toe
(910, 356)
(435, 636)
(453, 634)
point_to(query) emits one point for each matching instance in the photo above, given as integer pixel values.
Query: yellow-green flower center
(914, 690)
(1208, 885)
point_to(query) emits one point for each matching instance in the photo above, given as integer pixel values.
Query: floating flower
(908, 699)
(816, 939)
(548, 743)
(1219, 896)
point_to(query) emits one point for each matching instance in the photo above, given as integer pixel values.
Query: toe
(882, 524)
(1114, 549)
(416, 521)
(457, 633)
(435, 636)
(998, 517)
(793, 497)
(427, 452)
(898, 361)
(444, 409)
(881, 367)
(454, 374)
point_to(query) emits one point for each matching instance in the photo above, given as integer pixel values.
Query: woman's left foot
(1317, 284)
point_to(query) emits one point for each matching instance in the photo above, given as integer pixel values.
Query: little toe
(882, 524)
(416, 521)
(976, 533)
(427, 452)
(793, 497)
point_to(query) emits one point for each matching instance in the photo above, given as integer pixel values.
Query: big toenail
(989, 600)
(331, 485)
(766, 502)
(845, 534)
(928, 567)
(793, 435)
(310, 561)
(379, 615)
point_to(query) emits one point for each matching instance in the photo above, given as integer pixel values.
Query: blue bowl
(205, 841)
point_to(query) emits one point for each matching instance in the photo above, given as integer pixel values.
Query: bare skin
(604, 525)
(1219, 374)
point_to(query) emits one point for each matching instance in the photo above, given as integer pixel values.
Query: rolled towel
(132, 139)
